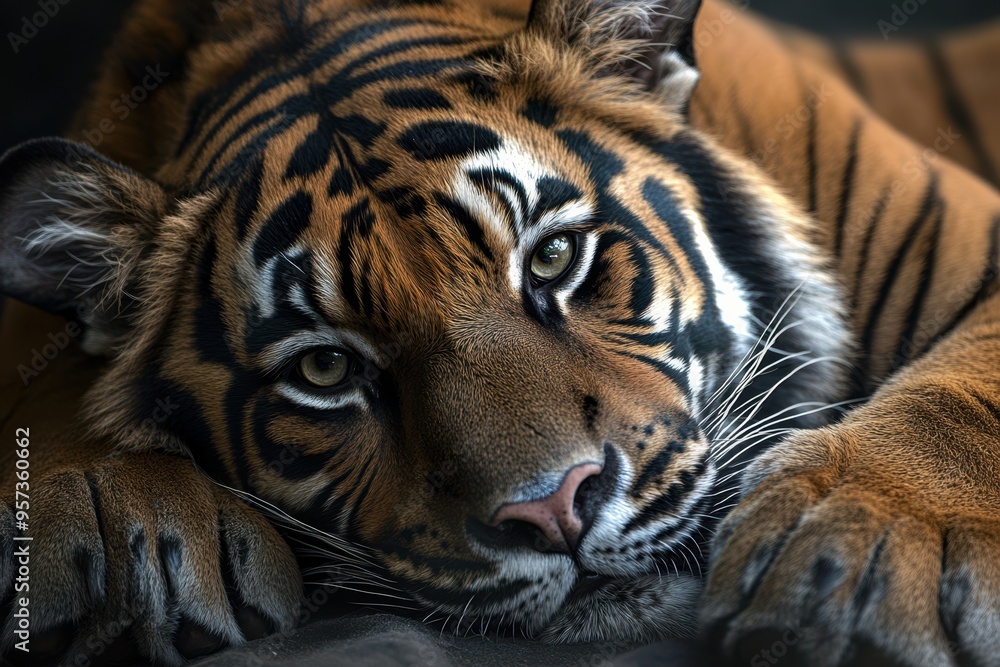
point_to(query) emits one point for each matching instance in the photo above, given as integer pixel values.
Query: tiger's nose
(557, 515)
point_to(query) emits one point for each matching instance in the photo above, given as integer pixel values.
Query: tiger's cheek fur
(434, 476)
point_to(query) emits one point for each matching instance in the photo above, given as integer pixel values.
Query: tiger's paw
(141, 556)
(838, 558)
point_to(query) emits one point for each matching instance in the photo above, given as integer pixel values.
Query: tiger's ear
(649, 41)
(73, 226)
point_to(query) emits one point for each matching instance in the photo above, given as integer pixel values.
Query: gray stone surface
(390, 641)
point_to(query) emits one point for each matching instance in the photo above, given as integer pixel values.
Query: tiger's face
(479, 301)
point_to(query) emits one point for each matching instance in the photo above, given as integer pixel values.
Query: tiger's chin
(634, 611)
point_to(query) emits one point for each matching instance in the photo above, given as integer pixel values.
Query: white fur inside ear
(61, 248)
(675, 80)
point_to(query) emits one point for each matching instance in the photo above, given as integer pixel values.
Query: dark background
(43, 83)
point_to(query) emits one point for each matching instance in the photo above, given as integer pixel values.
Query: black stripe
(186, 420)
(424, 99)
(663, 202)
(847, 187)
(212, 101)
(340, 87)
(866, 243)
(553, 194)
(665, 504)
(274, 121)
(596, 281)
(458, 598)
(603, 166)
(540, 111)
(872, 581)
(906, 349)
(366, 298)
(242, 386)
(957, 110)
(442, 140)
(287, 319)
(404, 200)
(486, 179)
(479, 86)
(210, 333)
(312, 155)
(655, 339)
(468, 224)
(642, 291)
(730, 215)
(702, 507)
(284, 459)
(437, 565)
(671, 373)
(357, 223)
(248, 197)
(988, 282)
(283, 228)
(329, 504)
(656, 467)
(351, 523)
(260, 332)
(286, 322)
(892, 272)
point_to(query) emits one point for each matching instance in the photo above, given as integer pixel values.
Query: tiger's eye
(324, 368)
(553, 257)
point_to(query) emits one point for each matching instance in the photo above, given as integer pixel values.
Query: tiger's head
(470, 293)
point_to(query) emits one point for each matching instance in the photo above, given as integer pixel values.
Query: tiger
(546, 321)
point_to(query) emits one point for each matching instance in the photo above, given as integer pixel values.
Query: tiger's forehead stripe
(246, 106)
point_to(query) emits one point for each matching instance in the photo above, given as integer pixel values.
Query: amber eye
(552, 257)
(324, 368)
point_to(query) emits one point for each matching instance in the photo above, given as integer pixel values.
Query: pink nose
(555, 516)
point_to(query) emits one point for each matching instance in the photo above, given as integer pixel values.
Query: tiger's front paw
(836, 558)
(141, 554)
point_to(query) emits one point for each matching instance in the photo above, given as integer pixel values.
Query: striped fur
(375, 177)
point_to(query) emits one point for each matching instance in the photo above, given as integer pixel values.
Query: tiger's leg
(882, 532)
(130, 553)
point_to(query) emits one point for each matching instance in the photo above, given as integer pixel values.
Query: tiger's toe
(851, 578)
(970, 589)
(144, 557)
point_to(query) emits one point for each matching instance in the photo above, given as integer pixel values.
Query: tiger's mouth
(628, 610)
(588, 583)
(637, 608)
(624, 585)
